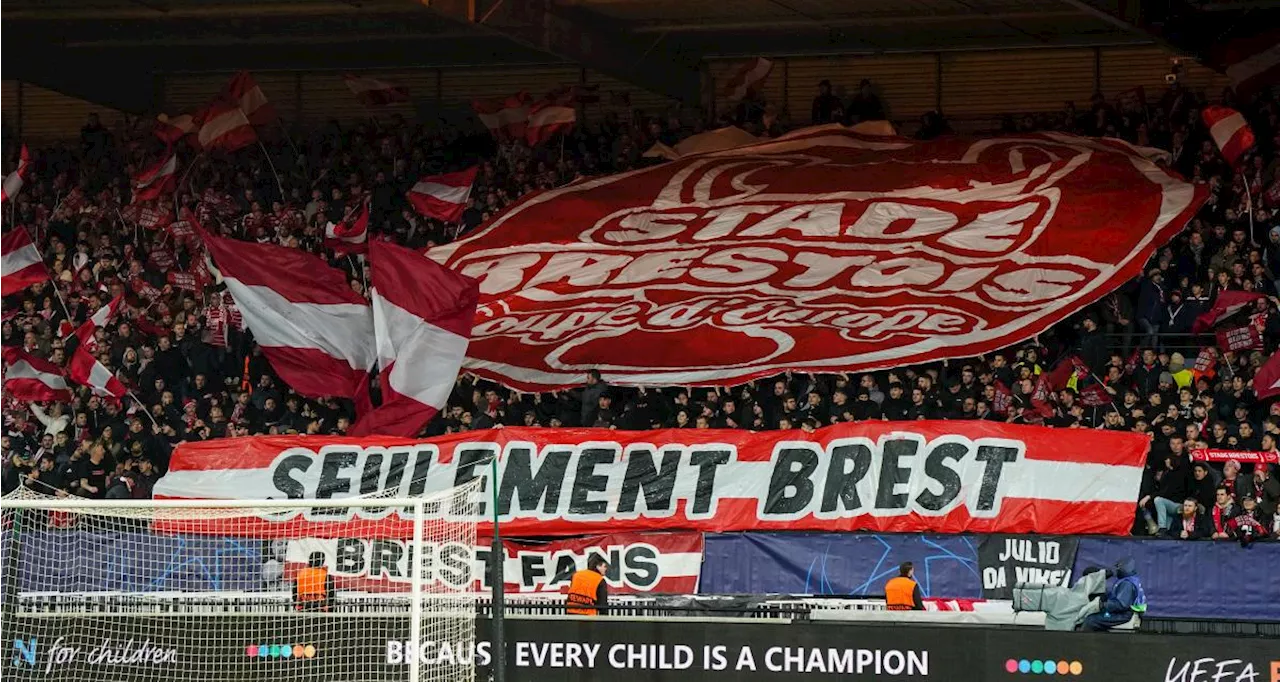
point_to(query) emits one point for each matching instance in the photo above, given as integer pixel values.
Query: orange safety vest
(311, 584)
(582, 593)
(899, 594)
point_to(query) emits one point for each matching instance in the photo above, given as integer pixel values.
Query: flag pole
(279, 185)
(1249, 207)
(144, 409)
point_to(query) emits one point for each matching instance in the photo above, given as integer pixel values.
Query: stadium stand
(180, 346)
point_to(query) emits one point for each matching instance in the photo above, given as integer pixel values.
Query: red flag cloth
(1239, 338)
(1225, 304)
(1266, 382)
(1251, 59)
(243, 91)
(27, 377)
(156, 181)
(13, 182)
(101, 318)
(1003, 400)
(1095, 395)
(422, 317)
(1057, 378)
(1132, 363)
(747, 78)
(1041, 396)
(351, 235)
(85, 370)
(171, 129)
(546, 120)
(20, 262)
(314, 329)
(443, 197)
(505, 118)
(375, 93)
(224, 126)
(1230, 132)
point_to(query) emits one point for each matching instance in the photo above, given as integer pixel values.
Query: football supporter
(178, 343)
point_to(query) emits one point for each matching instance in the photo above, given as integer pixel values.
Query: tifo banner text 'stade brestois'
(822, 250)
(941, 476)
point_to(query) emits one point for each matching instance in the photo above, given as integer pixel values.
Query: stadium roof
(656, 44)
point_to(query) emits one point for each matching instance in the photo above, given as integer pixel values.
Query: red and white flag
(314, 329)
(224, 126)
(20, 262)
(505, 118)
(1230, 132)
(243, 91)
(1252, 62)
(84, 369)
(747, 78)
(422, 317)
(174, 128)
(1266, 382)
(1225, 304)
(375, 93)
(154, 182)
(101, 318)
(443, 197)
(27, 377)
(546, 119)
(13, 181)
(351, 234)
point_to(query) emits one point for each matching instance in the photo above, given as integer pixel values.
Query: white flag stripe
(17, 260)
(1253, 66)
(448, 193)
(99, 378)
(418, 373)
(1226, 128)
(552, 116)
(277, 321)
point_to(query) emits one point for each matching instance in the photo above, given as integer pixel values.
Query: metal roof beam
(649, 61)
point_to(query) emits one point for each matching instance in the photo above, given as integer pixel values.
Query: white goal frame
(90, 506)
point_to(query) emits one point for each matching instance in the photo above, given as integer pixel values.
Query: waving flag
(747, 78)
(101, 318)
(1230, 132)
(84, 369)
(243, 91)
(351, 235)
(1266, 382)
(224, 126)
(546, 119)
(20, 262)
(312, 327)
(505, 118)
(422, 317)
(443, 197)
(174, 128)
(27, 377)
(157, 180)
(1251, 59)
(13, 182)
(1225, 304)
(375, 93)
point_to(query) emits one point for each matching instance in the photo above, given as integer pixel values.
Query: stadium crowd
(194, 374)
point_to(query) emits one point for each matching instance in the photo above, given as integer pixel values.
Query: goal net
(347, 590)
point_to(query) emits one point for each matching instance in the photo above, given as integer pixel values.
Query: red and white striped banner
(897, 477)
(19, 262)
(27, 377)
(639, 563)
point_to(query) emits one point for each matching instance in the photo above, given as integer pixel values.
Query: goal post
(163, 590)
